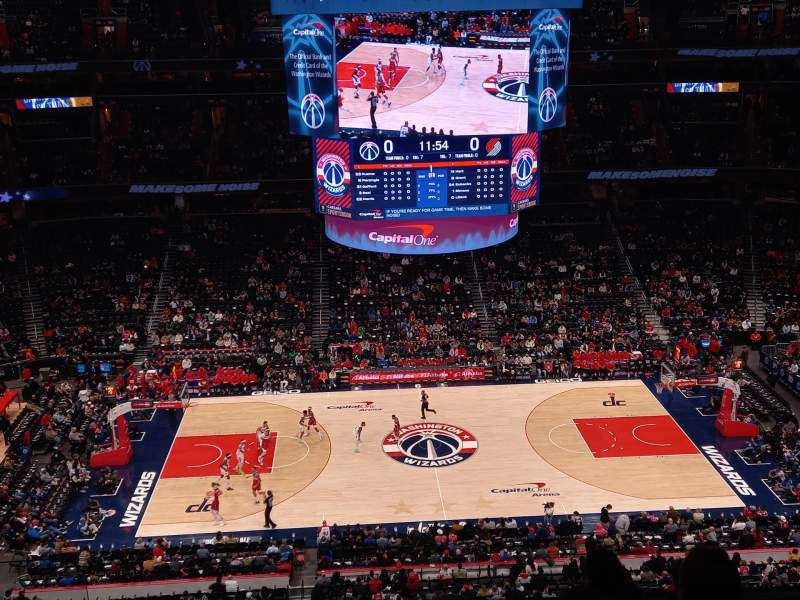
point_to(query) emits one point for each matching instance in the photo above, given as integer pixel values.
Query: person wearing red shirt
(412, 582)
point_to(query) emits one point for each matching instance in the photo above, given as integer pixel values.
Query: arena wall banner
(549, 65)
(419, 236)
(419, 375)
(310, 62)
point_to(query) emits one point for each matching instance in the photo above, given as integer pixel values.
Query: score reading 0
(399, 178)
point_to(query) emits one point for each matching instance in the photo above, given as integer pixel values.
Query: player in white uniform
(302, 428)
(431, 59)
(357, 431)
(379, 78)
(394, 60)
(358, 75)
(464, 76)
(262, 437)
(240, 457)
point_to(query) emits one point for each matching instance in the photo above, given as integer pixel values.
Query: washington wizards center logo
(333, 174)
(524, 167)
(430, 445)
(511, 86)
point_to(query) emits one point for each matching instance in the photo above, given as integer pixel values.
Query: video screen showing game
(445, 73)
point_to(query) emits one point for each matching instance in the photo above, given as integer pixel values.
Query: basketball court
(427, 98)
(489, 451)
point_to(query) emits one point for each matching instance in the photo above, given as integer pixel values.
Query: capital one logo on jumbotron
(313, 29)
(423, 238)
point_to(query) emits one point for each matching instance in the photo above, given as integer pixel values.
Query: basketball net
(659, 388)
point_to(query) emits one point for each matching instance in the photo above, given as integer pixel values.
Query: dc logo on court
(312, 111)
(333, 174)
(524, 167)
(511, 86)
(369, 151)
(430, 445)
(548, 104)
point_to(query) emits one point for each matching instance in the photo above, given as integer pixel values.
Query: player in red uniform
(312, 422)
(439, 60)
(380, 88)
(499, 64)
(214, 493)
(225, 470)
(340, 97)
(256, 485)
(396, 430)
(394, 59)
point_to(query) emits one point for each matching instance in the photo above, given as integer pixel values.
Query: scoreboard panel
(413, 177)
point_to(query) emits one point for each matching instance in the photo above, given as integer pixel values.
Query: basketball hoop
(659, 388)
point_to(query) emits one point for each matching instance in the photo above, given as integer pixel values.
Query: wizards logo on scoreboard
(524, 171)
(549, 63)
(310, 61)
(333, 191)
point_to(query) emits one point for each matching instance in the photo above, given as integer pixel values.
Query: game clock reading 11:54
(411, 177)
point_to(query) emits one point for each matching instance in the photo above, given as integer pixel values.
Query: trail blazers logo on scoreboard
(430, 445)
(511, 86)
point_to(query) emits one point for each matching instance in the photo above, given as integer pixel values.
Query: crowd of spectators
(67, 564)
(54, 30)
(244, 284)
(779, 261)
(558, 289)
(13, 339)
(193, 138)
(147, 29)
(46, 461)
(550, 540)
(96, 283)
(530, 551)
(690, 263)
(442, 28)
(391, 310)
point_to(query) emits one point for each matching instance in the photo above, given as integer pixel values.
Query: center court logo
(524, 167)
(511, 86)
(430, 445)
(333, 174)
